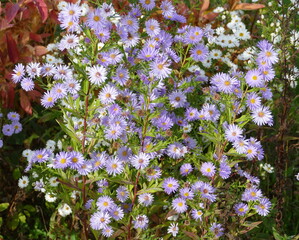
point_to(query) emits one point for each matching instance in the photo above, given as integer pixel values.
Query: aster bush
(156, 124)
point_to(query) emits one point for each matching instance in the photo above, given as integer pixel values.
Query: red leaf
(205, 5)
(248, 6)
(210, 16)
(54, 17)
(43, 9)
(36, 37)
(40, 50)
(11, 11)
(12, 48)
(34, 95)
(25, 103)
(4, 24)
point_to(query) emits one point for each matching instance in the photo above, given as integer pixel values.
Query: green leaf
(150, 190)
(22, 218)
(13, 223)
(1, 221)
(16, 173)
(3, 206)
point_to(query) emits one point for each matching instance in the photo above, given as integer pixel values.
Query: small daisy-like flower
(253, 101)
(185, 169)
(64, 210)
(199, 52)
(108, 94)
(99, 220)
(197, 214)
(13, 116)
(153, 173)
(208, 169)
(113, 132)
(262, 116)
(17, 127)
(233, 132)
(69, 41)
(48, 99)
(23, 182)
(217, 229)
(227, 83)
(263, 207)
(27, 84)
(152, 27)
(207, 191)
(179, 205)
(173, 229)
(117, 213)
(170, 185)
(7, 129)
(147, 4)
(140, 161)
(251, 152)
(50, 197)
(146, 199)
(160, 68)
(72, 86)
(252, 194)
(62, 160)
(241, 209)
(114, 166)
(141, 222)
(224, 170)
(124, 153)
(177, 99)
(97, 74)
(186, 193)
(53, 182)
(105, 203)
(215, 54)
(19, 72)
(122, 193)
(107, 231)
(254, 78)
(33, 69)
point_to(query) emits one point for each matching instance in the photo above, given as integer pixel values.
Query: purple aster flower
(262, 116)
(7, 129)
(172, 54)
(127, 207)
(115, 56)
(241, 208)
(251, 152)
(140, 161)
(146, 199)
(192, 114)
(41, 155)
(124, 153)
(186, 193)
(170, 185)
(217, 229)
(193, 35)
(85, 168)
(208, 169)
(62, 72)
(199, 52)
(233, 132)
(17, 127)
(148, 53)
(72, 86)
(19, 72)
(122, 193)
(160, 68)
(27, 84)
(227, 83)
(140, 222)
(48, 69)
(176, 150)
(252, 194)
(99, 220)
(253, 101)
(121, 75)
(95, 20)
(71, 25)
(268, 73)
(266, 93)
(224, 170)
(207, 191)
(13, 116)
(108, 94)
(152, 27)
(135, 12)
(148, 4)
(113, 132)
(33, 69)
(130, 23)
(164, 122)
(48, 99)
(62, 160)
(196, 214)
(167, 8)
(185, 169)
(107, 10)
(103, 34)
(116, 213)
(211, 112)
(68, 41)
(59, 90)
(254, 78)
(107, 231)
(114, 166)
(179, 205)
(153, 173)
(267, 52)
(263, 207)
(177, 99)
(105, 203)
(70, 10)
(97, 74)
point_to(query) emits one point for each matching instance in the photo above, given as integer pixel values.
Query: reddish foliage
(21, 40)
